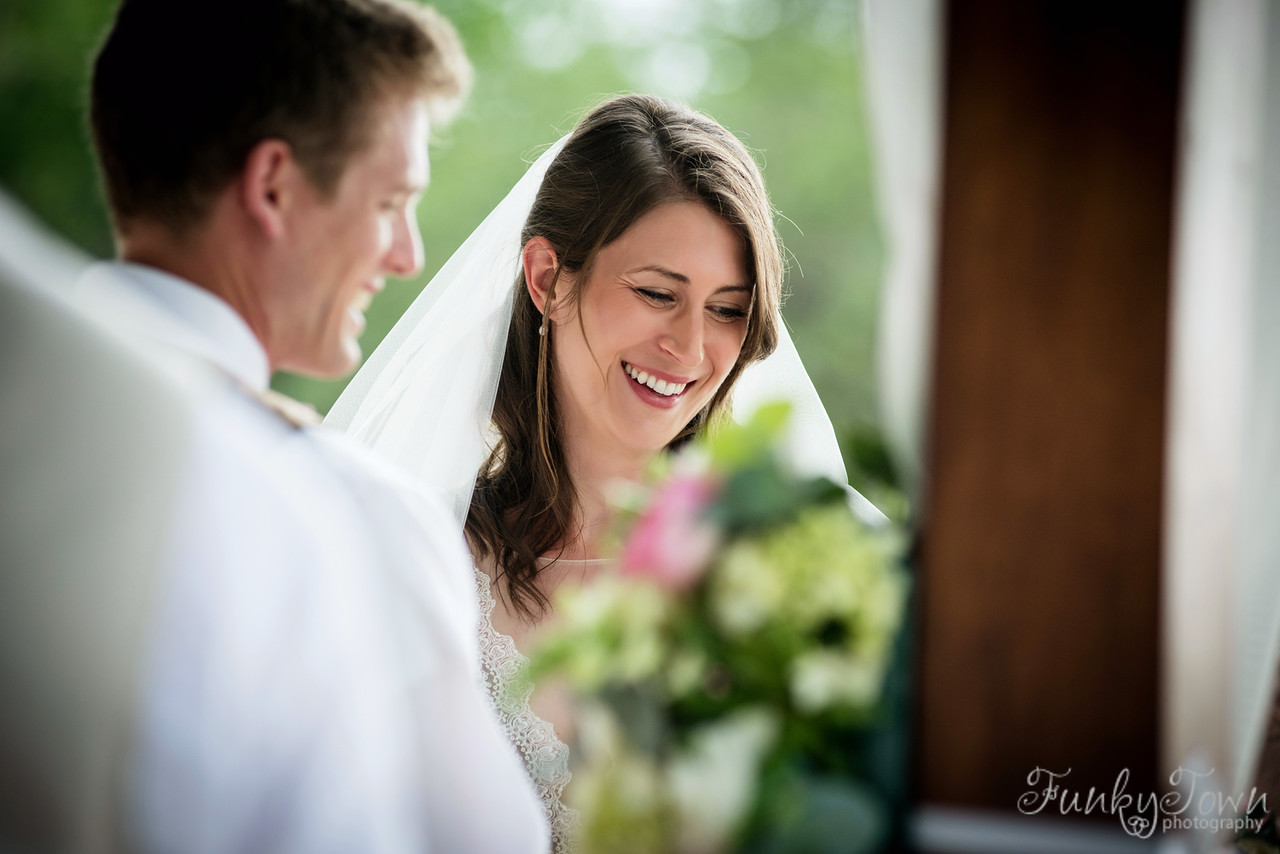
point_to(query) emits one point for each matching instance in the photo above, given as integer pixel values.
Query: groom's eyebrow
(682, 278)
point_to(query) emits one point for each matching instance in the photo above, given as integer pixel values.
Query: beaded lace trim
(545, 756)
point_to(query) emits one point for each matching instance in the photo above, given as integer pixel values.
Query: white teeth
(662, 387)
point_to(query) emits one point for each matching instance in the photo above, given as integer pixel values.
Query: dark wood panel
(1042, 513)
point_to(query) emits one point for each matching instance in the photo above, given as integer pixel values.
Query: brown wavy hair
(624, 159)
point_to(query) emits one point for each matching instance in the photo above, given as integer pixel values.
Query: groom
(310, 681)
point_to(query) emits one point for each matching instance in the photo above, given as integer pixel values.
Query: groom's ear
(266, 184)
(540, 265)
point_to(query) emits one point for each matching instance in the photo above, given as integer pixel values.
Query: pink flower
(671, 543)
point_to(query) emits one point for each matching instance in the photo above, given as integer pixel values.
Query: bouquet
(723, 677)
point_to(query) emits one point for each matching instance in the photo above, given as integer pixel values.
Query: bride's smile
(663, 388)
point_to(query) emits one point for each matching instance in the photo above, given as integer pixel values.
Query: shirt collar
(180, 314)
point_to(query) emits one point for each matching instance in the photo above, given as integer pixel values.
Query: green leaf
(734, 445)
(809, 814)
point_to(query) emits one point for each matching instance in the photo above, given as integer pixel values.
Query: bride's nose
(683, 339)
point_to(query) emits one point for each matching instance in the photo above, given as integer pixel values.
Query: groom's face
(345, 246)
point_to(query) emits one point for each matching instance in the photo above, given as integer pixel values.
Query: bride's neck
(592, 476)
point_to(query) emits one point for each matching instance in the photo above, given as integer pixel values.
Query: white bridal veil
(423, 399)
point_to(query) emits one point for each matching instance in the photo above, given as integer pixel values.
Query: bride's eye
(728, 312)
(658, 297)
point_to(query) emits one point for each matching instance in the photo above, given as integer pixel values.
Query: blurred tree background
(785, 75)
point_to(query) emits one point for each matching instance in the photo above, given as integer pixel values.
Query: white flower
(615, 627)
(746, 591)
(686, 672)
(589, 605)
(823, 678)
(641, 657)
(713, 782)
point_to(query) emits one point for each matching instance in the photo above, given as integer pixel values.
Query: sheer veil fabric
(424, 397)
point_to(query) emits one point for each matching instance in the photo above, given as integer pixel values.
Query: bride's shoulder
(492, 610)
(495, 605)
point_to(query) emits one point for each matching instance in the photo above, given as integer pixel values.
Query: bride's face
(663, 318)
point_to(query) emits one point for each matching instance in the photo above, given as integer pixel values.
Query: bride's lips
(651, 396)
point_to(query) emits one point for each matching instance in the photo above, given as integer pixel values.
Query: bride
(647, 278)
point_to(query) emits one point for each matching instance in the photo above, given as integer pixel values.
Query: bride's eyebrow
(661, 271)
(682, 278)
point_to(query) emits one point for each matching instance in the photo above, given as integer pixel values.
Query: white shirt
(79, 563)
(312, 677)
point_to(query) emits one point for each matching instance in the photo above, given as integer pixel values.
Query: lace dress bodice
(545, 756)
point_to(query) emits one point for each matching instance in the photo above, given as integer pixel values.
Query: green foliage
(760, 491)
(45, 160)
(805, 814)
(741, 444)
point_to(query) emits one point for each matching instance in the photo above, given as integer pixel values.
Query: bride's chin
(651, 442)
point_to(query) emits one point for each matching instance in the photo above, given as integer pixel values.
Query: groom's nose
(404, 257)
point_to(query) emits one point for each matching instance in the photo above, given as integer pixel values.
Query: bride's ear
(540, 265)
